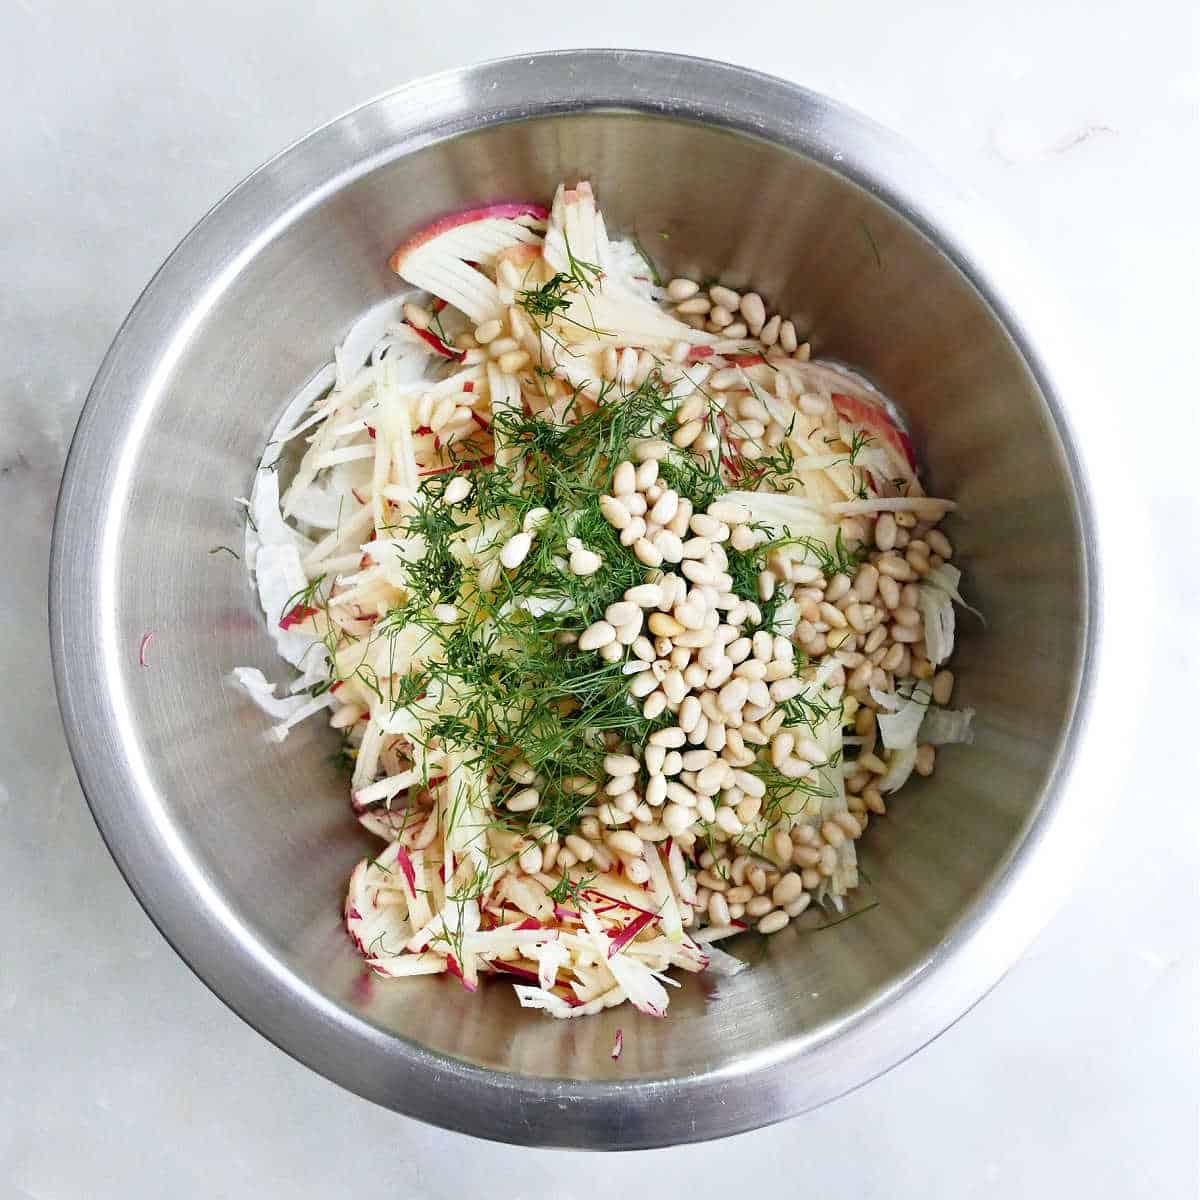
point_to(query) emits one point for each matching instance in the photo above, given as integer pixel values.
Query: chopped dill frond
(570, 891)
(655, 277)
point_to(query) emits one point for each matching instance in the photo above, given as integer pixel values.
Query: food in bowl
(629, 614)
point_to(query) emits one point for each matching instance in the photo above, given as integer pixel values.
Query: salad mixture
(630, 616)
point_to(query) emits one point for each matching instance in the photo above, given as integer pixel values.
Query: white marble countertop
(121, 1075)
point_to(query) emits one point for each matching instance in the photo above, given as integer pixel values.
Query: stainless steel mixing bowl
(240, 851)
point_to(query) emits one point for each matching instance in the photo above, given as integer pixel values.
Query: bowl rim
(183, 904)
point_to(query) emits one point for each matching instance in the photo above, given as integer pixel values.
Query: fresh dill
(517, 694)
(303, 598)
(435, 323)
(655, 277)
(810, 710)
(553, 297)
(841, 920)
(785, 798)
(226, 550)
(866, 229)
(343, 757)
(570, 891)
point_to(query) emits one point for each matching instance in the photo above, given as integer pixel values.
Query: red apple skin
(876, 421)
(508, 212)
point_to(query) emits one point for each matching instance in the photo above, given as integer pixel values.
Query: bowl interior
(266, 832)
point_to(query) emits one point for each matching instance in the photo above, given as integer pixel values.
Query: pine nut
(689, 714)
(489, 331)
(715, 736)
(711, 778)
(727, 821)
(513, 361)
(513, 552)
(773, 922)
(647, 553)
(849, 826)
(530, 860)
(621, 613)
(831, 615)
(743, 538)
(724, 297)
(789, 888)
(636, 871)
(580, 847)
(419, 317)
(674, 687)
(894, 567)
(939, 543)
(783, 690)
(633, 531)
(787, 337)
(620, 784)
(644, 595)
(585, 562)
(597, 635)
(872, 763)
(943, 687)
(750, 784)
(769, 334)
(925, 760)
(678, 524)
(707, 526)
(752, 308)
(457, 490)
(625, 843)
(664, 625)
(729, 512)
(718, 909)
(859, 681)
(739, 650)
(752, 670)
(866, 582)
(837, 587)
(781, 847)
(650, 448)
(673, 737)
(624, 479)
(733, 696)
(806, 856)
(885, 531)
(626, 802)
(665, 507)
(676, 818)
(650, 832)
(682, 289)
(889, 591)
(524, 801)
(681, 793)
